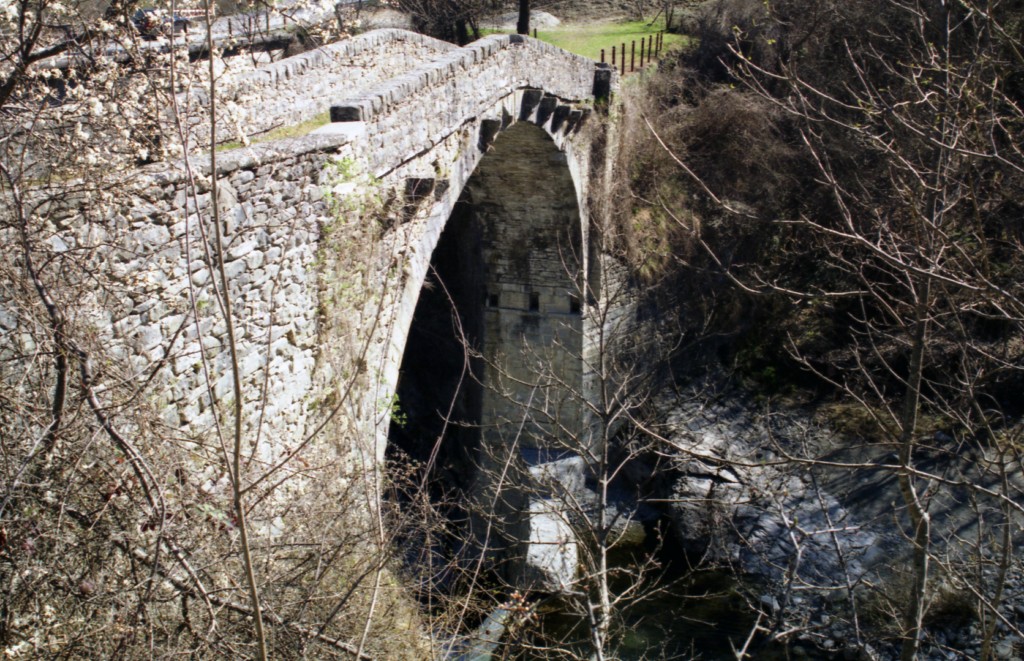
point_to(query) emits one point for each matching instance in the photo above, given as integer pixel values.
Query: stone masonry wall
(325, 252)
(523, 199)
(273, 211)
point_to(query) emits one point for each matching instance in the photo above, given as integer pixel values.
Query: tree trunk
(916, 509)
(461, 32)
(523, 24)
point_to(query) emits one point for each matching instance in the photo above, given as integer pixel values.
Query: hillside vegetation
(832, 194)
(812, 159)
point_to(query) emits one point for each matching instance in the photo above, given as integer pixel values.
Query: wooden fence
(650, 50)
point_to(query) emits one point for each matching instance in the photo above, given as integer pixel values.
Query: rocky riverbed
(821, 549)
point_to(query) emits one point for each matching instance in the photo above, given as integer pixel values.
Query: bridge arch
(489, 343)
(424, 133)
(513, 217)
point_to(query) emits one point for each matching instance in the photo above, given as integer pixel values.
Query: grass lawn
(589, 39)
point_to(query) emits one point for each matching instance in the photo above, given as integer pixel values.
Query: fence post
(613, 55)
(642, 43)
(650, 48)
(623, 58)
(602, 56)
(534, 33)
(632, 56)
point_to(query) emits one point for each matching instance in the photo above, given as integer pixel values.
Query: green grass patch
(283, 132)
(588, 39)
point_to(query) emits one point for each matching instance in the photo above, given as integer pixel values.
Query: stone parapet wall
(303, 86)
(489, 60)
(407, 114)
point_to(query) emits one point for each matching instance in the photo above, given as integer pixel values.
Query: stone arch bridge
(330, 238)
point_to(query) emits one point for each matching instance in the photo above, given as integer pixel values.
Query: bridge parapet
(412, 112)
(300, 87)
(510, 61)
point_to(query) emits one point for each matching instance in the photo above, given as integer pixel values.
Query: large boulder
(538, 19)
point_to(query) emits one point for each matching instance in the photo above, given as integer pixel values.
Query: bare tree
(523, 23)
(912, 169)
(125, 527)
(457, 21)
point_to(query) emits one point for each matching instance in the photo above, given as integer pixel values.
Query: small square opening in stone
(492, 300)
(574, 305)
(534, 302)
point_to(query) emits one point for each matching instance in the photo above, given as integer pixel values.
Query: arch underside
(491, 374)
(443, 180)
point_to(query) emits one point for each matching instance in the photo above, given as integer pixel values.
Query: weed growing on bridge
(283, 133)
(349, 251)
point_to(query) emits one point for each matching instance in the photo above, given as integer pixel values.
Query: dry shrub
(724, 28)
(733, 141)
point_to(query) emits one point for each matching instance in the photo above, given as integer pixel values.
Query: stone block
(552, 555)
(240, 250)
(241, 178)
(223, 386)
(8, 321)
(172, 323)
(186, 361)
(531, 99)
(147, 337)
(234, 269)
